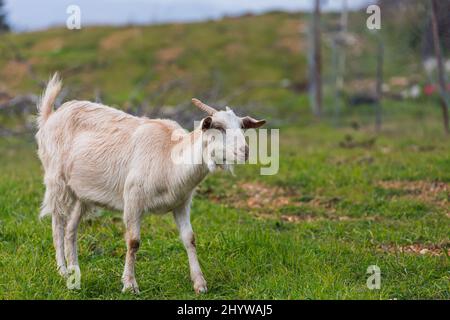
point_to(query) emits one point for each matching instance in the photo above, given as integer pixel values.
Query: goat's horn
(204, 107)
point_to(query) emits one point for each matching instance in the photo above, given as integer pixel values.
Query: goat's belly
(166, 202)
(93, 186)
(95, 173)
(97, 196)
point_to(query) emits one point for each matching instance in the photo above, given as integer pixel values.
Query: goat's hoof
(130, 286)
(62, 270)
(200, 287)
(201, 290)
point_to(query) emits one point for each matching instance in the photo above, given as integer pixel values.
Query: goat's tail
(45, 105)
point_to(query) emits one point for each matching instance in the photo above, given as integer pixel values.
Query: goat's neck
(190, 174)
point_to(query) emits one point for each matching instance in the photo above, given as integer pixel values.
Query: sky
(27, 15)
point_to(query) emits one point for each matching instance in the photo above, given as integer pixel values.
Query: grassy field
(342, 201)
(345, 198)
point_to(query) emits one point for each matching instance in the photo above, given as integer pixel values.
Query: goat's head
(223, 136)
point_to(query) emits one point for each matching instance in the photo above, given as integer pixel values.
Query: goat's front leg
(182, 219)
(132, 219)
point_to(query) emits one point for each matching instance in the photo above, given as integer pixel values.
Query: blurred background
(364, 161)
(295, 62)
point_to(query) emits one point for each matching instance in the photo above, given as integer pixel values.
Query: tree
(379, 84)
(440, 65)
(316, 62)
(4, 26)
(339, 43)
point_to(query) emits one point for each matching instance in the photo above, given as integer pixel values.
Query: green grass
(338, 219)
(247, 255)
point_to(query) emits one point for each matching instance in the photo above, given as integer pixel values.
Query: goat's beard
(212, 166)
(229, 168)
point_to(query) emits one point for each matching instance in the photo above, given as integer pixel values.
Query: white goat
(94, 155)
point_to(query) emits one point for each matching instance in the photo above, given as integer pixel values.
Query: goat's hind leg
(70, 237)
(58, 223)
(56, 203)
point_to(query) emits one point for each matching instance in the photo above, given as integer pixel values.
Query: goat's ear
(206, 123)
(249, 122)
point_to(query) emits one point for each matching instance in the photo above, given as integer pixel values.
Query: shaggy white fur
(94, 155)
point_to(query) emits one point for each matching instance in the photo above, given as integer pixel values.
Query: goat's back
(95, 149)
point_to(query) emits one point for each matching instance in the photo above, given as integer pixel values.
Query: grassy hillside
(131, 64)
(259, 62)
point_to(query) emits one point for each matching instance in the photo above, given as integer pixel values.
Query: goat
(97, 156)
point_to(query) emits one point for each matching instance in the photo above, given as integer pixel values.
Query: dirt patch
(420, 186)
(312, 218)
(234, 49)
(49, 45)
(431, 192)
(13, 73)
(266, 202)
(417, 249)
(291, 44)
(328, 217)
(117, 39)
(258, 195)
(289, 218)
(169, 55)
(4, 96)
(278, 203)
(292, 27)
(291, 36)
(324, 203)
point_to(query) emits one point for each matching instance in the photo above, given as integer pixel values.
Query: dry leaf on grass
(430, 192)
(417, 249)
